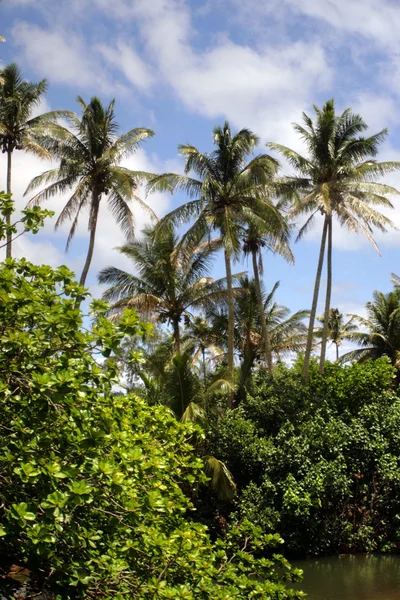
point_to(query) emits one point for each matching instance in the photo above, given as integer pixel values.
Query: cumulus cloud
(263, 85)
(231, 80)
(130, 63)
(245, 84)
(51, 54)
(378, 22)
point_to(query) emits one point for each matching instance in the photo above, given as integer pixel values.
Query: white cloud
(379, 111)
(63, 57)
(231, 80)
(39, 251)
(129, 62)
(51, 55)
(378, 21)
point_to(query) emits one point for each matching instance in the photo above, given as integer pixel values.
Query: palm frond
(221, 478)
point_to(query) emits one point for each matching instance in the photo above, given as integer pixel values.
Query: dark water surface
(351, 578)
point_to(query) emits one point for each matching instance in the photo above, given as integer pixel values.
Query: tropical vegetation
(165, 440)
(233, 190)
(97, 489)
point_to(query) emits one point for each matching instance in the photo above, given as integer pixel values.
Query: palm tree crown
(381, 335)
(337, 178)
(169, 284)
(202, 342)
(90, 154)
(287, 331)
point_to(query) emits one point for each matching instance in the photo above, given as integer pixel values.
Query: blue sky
(182, 66)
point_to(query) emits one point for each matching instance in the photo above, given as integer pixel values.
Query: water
(351, 578)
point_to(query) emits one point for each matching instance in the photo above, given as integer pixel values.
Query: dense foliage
(319, 462)
(95, 486)
(170, 465)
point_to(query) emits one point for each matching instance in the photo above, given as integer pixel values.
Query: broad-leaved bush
(95, 485)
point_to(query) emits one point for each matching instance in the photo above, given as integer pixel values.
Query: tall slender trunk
(93, 221)
(325, 329)
(177, 335)
(231, 322)
(203, 353)
(8, 217)
(266, 342)
(310, 335)
(337, 351)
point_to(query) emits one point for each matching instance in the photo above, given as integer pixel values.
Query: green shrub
(319, 463)
(95, 486)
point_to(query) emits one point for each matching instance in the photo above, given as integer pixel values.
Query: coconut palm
(381, 335)
(169, 283)
(90, 154)
(338, 329)
(231, 190)
(201, 340)
(337, 179)
(273, 237)
(287, 332)
(18, 129)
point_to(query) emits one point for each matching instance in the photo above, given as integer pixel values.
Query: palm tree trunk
(264, 331)
(325, 328)
(93, 225)
(337, 351)
(310, 335)
(8, 217)
(203, 353)
(231, 322)
(177, 336)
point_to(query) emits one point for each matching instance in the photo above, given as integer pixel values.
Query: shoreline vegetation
(182, 435)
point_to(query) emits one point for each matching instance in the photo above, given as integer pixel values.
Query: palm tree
(200, 339)
(169, 283)
(337, 178)
(90, 155)
(274, 237)
(338, 330)
(287, 332)
(231, 190)
(381, 335)
(18, 99)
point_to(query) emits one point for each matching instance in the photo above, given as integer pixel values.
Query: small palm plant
(338, 329)
(201, 341)
(273, 236)
(287, 331)
(170, 378)
(90, 153)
